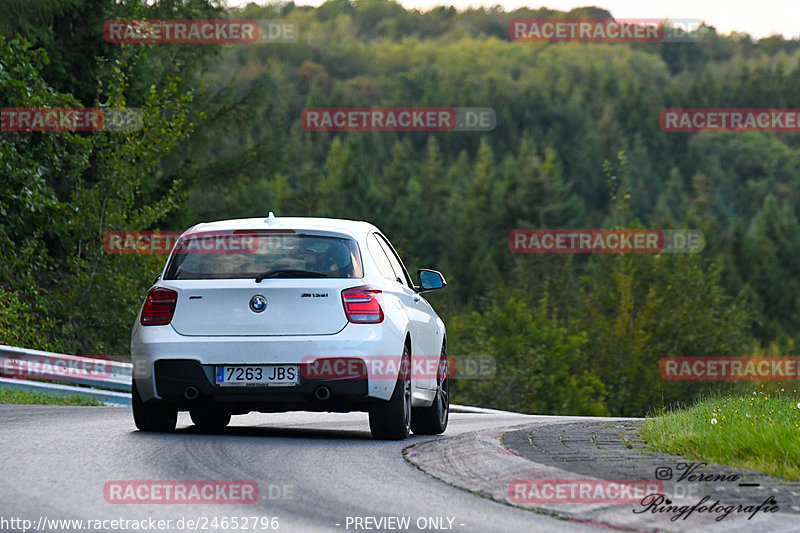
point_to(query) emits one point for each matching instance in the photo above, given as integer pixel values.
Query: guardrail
(102, 379)
(29, 367)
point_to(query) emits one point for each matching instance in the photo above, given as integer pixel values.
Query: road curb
(478, 462)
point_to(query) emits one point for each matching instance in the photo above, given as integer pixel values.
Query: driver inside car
(337, 262)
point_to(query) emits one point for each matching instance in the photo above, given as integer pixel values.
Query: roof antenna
(271, 218)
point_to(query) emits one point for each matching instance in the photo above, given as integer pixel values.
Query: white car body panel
(219, 328)
(222, 309)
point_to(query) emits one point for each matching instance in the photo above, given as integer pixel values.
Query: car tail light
(158, 307)
(362, 305)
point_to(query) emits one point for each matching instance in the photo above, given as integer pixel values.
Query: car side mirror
(430, 280)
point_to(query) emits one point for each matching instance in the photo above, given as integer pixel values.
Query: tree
(540, 365)
(62, 191)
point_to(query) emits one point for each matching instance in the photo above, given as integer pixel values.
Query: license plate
(257, 375)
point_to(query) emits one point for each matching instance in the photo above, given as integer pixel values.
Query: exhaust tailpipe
(322, 393)
(191, 393)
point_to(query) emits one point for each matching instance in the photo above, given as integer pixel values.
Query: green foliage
(62, 191)
(640, 308)
(540, 365)
(756, 430)
(22, 325)
(577, 145)
(38, 398)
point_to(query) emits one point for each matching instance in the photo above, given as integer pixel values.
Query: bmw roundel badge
(258, 303)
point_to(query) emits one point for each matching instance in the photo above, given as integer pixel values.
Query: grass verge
(758, 431)
(28, 397)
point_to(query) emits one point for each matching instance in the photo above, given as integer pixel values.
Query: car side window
(379, 256)
(397, 265)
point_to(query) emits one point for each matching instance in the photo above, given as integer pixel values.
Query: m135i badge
(258, 303)
(314, 295)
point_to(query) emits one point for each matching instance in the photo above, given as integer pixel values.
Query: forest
(577, 144)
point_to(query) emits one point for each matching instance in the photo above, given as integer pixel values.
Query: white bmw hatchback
(283, 314)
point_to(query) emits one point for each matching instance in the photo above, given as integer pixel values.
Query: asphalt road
(314, 471)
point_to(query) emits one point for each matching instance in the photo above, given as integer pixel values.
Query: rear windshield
(252, 255)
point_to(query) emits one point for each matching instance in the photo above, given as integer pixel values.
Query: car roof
(353, 228)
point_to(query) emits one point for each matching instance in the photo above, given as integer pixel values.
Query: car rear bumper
(175, 379)
(165, 364)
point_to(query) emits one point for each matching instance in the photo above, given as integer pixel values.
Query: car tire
(391, 420)
(209, 419)
(433, 420)
(151, 416)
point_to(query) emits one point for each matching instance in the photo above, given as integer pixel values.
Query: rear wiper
(286, 273)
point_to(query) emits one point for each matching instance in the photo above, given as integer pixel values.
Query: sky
(758, 18)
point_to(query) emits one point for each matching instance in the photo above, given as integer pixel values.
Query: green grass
(27, 397)
(758, 431)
